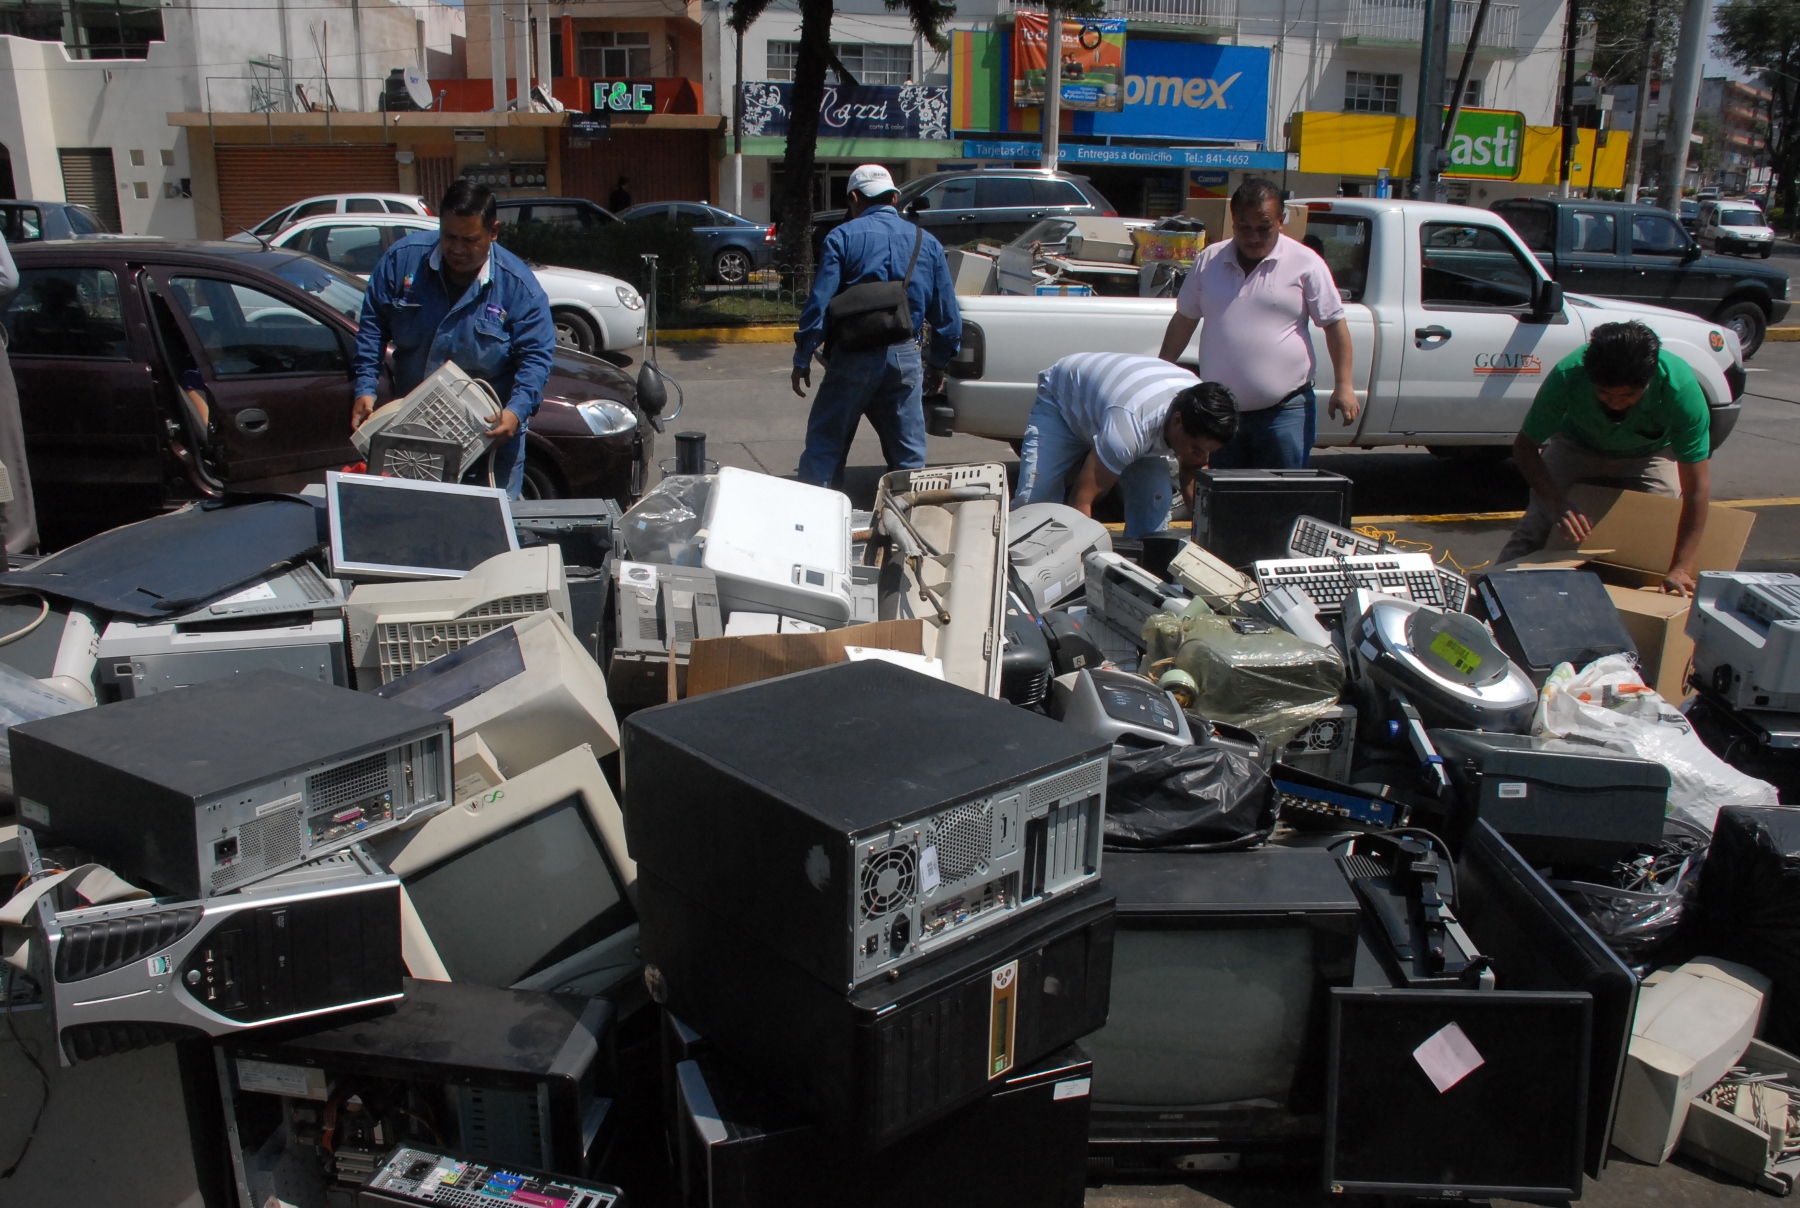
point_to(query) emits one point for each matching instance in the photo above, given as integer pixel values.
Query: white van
(1734, 226)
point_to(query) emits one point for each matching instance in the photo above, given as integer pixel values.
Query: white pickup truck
(1453, 320)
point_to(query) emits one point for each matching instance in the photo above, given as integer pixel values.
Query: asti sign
(1192, 90)
(1486, 144)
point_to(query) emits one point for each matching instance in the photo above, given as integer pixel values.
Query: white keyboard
(1313, 538)
(1327, 582)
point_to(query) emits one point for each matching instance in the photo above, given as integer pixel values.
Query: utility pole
(497, 51)
(737, 130)
(1428, 128)
(1686, 95)
(1462, 86)
(1570, 33)
(522, 56)
(1635, 172)
(1052, 119)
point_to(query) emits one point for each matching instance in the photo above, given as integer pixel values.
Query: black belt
(1291, 396)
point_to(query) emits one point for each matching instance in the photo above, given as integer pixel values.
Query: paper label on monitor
(928, 870)
(1513, 788)
(1448, 1057)
(1074, 1088)
(250, 595)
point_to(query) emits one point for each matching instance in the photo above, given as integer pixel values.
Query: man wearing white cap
(881, 281)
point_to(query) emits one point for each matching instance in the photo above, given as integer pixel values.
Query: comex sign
(1196, 90)
(1196, 93)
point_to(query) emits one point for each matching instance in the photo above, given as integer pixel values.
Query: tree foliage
(1763, 36)
(1620, 45)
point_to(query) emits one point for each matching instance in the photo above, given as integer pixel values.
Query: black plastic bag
(1192, 798)
(1748, 906)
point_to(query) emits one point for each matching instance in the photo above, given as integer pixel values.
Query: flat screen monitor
(527, 885)
(1258, 937)
(1538, 943)
(402, 528)
(1457, 1093)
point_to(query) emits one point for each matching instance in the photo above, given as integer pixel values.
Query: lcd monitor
(403, 528)
(527, 885)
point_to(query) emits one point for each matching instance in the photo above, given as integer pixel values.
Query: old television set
(404, 528)
(1260, 937)
(396, 628)
(527, 886)
(529, 690)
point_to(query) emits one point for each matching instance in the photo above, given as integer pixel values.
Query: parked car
(27, 221)
(594, 312)
(992, 205)
(1690, 214)
(731, 246)
(103, 331)
(337, 203)
(1734, 226)
(1639, 253)
(577, 210)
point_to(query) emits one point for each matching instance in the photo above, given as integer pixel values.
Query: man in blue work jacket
(886, 384)
(457, 296)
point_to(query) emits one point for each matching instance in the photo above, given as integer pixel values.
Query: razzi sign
(871, 111)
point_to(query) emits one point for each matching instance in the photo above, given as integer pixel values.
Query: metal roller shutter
(664, 165)
(435, 173)
(88, 180)
(254, 182)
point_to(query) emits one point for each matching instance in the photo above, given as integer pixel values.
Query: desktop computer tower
(882, 1062)
(1025, 1143)
(206, 789)
(1244, 515)
(133, 660)
(863, 815)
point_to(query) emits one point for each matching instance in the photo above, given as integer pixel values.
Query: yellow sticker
(1455, 653)
(1003, 1018)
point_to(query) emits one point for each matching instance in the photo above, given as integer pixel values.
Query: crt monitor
(1258, 937)
(526, 886)
(529, 690)
(404, 528)
(1456, 1094)
(1538, 943)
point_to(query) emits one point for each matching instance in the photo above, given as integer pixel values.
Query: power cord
(6, 991)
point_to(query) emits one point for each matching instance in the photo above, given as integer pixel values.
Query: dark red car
(101, 333)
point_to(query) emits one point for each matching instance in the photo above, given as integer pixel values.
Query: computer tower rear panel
(1243, 515)
(860, 817)
(205, 789)
(1025, 1143)
(889, 1058)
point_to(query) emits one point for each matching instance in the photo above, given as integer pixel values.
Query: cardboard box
(1733, 1142)
(717, 663)
(1692, 1025)
(1215, 212)
(1657, 623)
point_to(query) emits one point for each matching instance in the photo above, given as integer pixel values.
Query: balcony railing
(1403, 21)
(1216, 14)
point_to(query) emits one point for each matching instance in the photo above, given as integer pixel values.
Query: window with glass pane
(89, 29)
(869, 62)
(400, 207)
(1471, 93)
(247, 333)
(1472, 268)
(1654, 235)
(614, 54)
(364, 205)
(355, 249)
(782, 57)
(1002, 192)
(1594, 232)
(66, 312)
(957, 193)
(1056, 193)
(313, 209)
(21, 224)
(1371, 92)
(1536, 225)
(563, 214)
(1343, 243)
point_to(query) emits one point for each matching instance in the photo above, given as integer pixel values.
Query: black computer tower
(1544, 617)
(883, 1061)
(502, 1076)
(861, 817)
(1747, 907)
(1243, 515)
(1024, 1143)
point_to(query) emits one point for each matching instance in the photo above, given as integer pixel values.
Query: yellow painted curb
(727, 335)
(1784, 501)
(1789, 335)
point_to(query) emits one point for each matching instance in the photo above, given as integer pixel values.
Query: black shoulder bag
(874, 314)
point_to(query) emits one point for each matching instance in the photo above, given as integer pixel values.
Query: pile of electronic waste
(746, 848)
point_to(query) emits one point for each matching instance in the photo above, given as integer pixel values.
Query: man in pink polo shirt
(1257, 291)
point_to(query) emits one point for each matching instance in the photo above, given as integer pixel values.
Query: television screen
(1162, 1048)
(522, 899)
(382, 524)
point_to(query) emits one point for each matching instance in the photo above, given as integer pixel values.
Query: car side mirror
(1691, 254)
(1549, 299)
(917, 204)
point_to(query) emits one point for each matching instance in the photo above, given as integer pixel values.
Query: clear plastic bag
(1268, 681)
(663, 526)
(1639, 914)
(1606, 704)
(23, 699)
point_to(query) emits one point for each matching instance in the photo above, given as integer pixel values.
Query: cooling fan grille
(888, 881)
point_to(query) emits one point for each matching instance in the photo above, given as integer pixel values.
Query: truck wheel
(1766, 250)
(1746, 319)
(577, 332)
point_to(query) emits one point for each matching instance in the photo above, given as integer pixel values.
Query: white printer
(1746, 631)
(779, 546)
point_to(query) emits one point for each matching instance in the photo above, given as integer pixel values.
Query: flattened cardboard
(717, 663)
(1657, 623)
(1635, 531)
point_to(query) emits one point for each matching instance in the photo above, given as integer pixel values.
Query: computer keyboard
(1328, 581)
(1313, 538)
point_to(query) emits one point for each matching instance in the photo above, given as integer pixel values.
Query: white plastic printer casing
(779, 546)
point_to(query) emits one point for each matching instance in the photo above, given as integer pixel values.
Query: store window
(1371, 92)
(613, 54)
(869, 62)
(1471, 93)
(89, 29)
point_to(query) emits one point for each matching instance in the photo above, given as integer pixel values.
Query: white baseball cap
(872, 180)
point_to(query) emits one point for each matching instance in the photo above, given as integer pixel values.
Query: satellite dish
(417, 87)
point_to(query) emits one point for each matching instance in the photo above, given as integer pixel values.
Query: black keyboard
(1327, 582)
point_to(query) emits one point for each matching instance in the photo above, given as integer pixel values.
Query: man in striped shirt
(1109, 417)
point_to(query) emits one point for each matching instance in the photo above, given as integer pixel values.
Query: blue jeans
(885, 384)
(1275, 438)
(509, 465)
(1053, 454)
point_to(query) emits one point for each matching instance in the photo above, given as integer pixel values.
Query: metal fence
(1404, 21)
(1220, 13)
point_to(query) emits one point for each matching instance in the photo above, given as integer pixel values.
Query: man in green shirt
(1622, 412)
